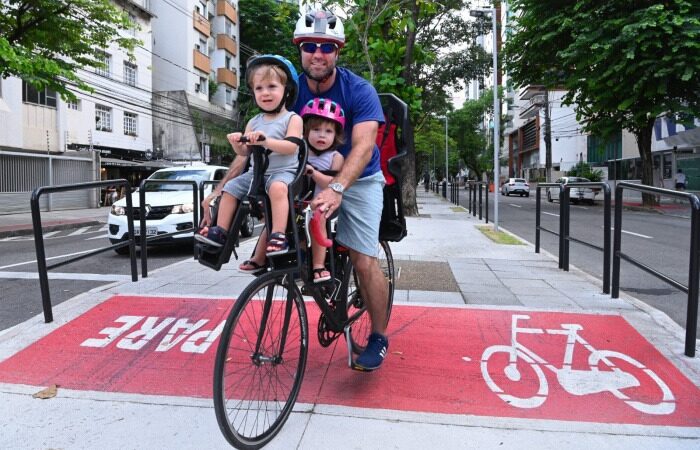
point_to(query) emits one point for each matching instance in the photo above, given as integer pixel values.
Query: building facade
(196, 77)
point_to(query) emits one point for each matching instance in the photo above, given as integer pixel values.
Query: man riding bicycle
(356, 191)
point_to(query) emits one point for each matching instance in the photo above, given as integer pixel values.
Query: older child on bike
(272, 79)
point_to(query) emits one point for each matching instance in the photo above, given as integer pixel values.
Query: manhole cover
(425, 276)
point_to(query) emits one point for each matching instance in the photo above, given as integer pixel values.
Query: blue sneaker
(374, 354)
(216, 236)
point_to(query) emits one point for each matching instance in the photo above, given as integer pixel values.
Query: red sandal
(277, 244)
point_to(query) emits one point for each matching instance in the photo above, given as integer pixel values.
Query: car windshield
(578, 180)
(189, 175)
(519, 180)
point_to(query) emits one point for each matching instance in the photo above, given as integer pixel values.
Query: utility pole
(547, 138)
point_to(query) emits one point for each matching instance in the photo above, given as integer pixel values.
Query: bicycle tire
(254, 393)
(362, 327)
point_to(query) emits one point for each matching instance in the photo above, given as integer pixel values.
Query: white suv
(168, 207)
(515, 186)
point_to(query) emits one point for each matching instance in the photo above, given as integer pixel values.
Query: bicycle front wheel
(260, 361)
(362, 326)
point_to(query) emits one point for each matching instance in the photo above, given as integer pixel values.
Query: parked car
(168, 207)
(515, 186)
(576, 195)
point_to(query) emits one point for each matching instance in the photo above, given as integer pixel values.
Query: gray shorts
(360, 213)
(241, 186)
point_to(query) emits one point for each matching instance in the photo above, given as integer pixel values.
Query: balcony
(226, 43)
(201, 24)
(201, 61)
(144, 6)
(224, 8)
(226, 76)
(536, 102)
(530, 90)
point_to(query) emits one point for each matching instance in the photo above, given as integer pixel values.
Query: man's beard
(322, 77)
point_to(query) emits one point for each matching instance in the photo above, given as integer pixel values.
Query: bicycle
(575, 381)
(261, 357)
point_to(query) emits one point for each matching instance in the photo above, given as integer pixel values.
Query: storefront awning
(115, 162)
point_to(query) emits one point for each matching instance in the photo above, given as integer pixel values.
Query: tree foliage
(266, 27)
(45, 42)
(420, 51)
(623, 63)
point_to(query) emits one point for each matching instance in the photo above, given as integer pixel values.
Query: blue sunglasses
(326, 47)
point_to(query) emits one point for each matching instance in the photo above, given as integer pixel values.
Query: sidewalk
(456, 295)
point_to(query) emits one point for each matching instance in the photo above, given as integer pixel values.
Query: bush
(584, 170)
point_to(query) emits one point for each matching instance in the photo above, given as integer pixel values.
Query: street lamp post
(483, 13)
(447, 174)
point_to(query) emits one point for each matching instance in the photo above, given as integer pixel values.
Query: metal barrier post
(480, 198)
(444, 189)
(617, 242)
(691, 321)
(606, 239)
(538, 205)
(487, 204)
(565, 207)
(41, 259)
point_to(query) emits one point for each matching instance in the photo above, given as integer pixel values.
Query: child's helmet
(319, 26)
(291, 90)
(324, 108)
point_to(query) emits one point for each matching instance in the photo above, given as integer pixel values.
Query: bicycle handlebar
(245, 140)
(315, 226)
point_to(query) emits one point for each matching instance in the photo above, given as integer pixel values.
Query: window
(73, 104)
(130, 73)
(229, 97)
(134, 24)
(228, 28)
(130, 124)
(103, 118)
(227, 62)
(0, 87)
(202, 46)
(106, 59)
(45, 97)
(202, 85)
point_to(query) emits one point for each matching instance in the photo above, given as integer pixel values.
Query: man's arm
(363, 141)
(364, 135)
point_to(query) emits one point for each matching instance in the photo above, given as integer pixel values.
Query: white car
(168, 207)
(576, 195)
(515, 186)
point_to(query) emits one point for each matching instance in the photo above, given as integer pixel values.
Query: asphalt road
(20, 294)
(661, 241)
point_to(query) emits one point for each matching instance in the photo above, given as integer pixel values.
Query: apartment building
(196, 77)
(103, 134)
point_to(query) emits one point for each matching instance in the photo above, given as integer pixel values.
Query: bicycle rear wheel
(362, 327)
(260, 361)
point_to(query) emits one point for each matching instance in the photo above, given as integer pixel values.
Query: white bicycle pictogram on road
(575, 381)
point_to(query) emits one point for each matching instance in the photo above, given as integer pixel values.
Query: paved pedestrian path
(133, 361)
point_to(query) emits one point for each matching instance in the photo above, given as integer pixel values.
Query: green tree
(45, 42)
(418, 50)
(623, 63)
(266, 27)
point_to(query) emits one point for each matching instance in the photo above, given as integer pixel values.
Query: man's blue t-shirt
(360, 103)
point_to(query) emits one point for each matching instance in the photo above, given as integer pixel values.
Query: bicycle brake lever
(307, 220)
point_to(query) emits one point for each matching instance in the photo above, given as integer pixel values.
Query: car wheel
(120, 250)
(549, 197)
(247, 226)
(527, 195)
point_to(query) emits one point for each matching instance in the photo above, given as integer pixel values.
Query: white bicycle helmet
(319, 26)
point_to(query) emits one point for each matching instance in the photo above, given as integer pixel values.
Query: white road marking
(514, 206)
(50, 258)
(633, 234)
(466, 358)
(550, 214)
(78, 231)
(67, 276)
(97, 237)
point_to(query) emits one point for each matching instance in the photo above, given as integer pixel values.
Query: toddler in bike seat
(323, 130)
(273, 81)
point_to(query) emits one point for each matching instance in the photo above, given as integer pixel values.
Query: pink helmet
(325, 108)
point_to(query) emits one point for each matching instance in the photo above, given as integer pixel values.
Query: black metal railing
(43, 268)
(538, 220)
(475, 193)
(565, 219)
(144, 238)
(694, 263)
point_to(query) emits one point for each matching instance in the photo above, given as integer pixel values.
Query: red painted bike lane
(562, 366)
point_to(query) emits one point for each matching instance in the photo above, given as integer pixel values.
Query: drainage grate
(425, 276)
